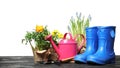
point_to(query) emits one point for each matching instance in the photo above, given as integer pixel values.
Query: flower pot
(45, 56)
(39, 57)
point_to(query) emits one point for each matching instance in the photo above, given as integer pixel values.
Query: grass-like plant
(78, 25)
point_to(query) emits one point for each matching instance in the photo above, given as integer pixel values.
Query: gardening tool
(91, 44)
(67, 48)
(105, 53)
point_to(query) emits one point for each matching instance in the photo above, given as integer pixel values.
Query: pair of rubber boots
(99, 46)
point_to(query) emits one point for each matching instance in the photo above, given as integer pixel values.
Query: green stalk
(78, 25)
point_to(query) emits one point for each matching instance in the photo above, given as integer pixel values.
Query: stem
(31, 46)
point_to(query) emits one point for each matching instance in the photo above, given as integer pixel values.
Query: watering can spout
(49, 38)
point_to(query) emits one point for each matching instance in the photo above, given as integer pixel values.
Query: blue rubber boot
(91, 44)
(105, 53)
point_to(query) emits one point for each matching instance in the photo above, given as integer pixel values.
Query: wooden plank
(28, 62)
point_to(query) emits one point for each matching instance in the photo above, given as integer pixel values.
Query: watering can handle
(66, 35)
(83, 41)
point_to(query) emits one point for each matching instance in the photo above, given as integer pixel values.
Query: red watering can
(67, 48)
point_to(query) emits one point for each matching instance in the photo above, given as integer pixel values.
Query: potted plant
(42, 50)
(78, 25)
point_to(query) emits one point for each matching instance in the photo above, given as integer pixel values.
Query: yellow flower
(60, 35)
(55, 32)
(39, 28)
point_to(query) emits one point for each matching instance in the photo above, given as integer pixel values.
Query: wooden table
(27, 62)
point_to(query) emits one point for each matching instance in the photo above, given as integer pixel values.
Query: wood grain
(28, 62)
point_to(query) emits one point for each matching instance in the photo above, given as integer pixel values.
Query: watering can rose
(39, 28)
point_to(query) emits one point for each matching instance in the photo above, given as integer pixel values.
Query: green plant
(78, 25)
(38, 36)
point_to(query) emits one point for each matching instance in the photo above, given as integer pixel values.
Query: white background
(19, 16)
